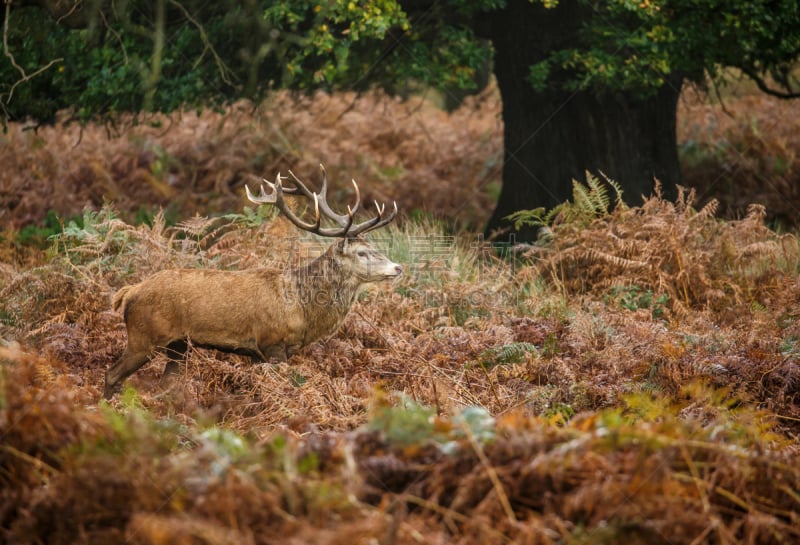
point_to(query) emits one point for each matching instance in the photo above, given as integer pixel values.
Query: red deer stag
(260, 313)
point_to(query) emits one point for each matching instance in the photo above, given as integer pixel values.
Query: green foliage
(506, 354)
(127, 424)
(106, 66)
(360, 44)
(127, 59)
(327, 53)
(634, 298)
(638, 46)
(296, 379)
(539, 74)
(559, 413)
(589, 202)
(737, 423)
(790, 347)
(409, 424)
(251, 217)
(551, 346)
(162, 56)
(40, 235)
(91, 227)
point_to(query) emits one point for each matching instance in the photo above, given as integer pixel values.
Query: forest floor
(633, 377)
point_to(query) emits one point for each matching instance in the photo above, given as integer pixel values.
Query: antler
(345, 221)
(341, 219)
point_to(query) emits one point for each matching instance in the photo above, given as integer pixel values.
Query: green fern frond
(506, 354)
(590, 201)
(581, 198)
(537, 217)
(618, 202)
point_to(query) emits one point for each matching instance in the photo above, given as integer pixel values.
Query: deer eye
(361, 253)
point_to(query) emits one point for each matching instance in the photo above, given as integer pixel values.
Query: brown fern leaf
(197, 226)
(617, 261)
(708, 211)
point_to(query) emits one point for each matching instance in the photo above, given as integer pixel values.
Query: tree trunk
(554, 136)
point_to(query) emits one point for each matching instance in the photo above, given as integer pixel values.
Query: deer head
(352, 253)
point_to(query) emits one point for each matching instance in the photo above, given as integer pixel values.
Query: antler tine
(344, 220)
(374, 223)
(300, 186)
(358, 197)
(276, 198)
(263, 197)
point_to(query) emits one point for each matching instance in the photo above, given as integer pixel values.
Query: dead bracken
(633, 377)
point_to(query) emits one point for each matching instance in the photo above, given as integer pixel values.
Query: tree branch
(762, 85)
(224, 71)
(151, 80)
(116, 34)
(24, 76)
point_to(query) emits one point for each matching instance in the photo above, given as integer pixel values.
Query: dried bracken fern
(652, 471)
(742, 149)
(411, 152)
(671, 249)
(583, 358)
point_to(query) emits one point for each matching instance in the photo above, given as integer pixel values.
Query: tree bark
(554, 136)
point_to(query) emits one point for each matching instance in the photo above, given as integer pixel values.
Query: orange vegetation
(632, 377)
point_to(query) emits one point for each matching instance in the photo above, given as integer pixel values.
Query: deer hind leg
(126, 365)
(176, 350)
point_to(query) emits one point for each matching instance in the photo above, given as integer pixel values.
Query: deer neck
(326, 292)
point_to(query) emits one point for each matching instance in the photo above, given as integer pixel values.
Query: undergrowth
(575, 399)
(634, 376)
(645, 472)
(683, 257)
(742, 149)
(411, 152)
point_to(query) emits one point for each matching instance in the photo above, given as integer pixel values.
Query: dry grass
(413, 334)
(684, 256)
(671, 294)
(739, 152)
(643, 299)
